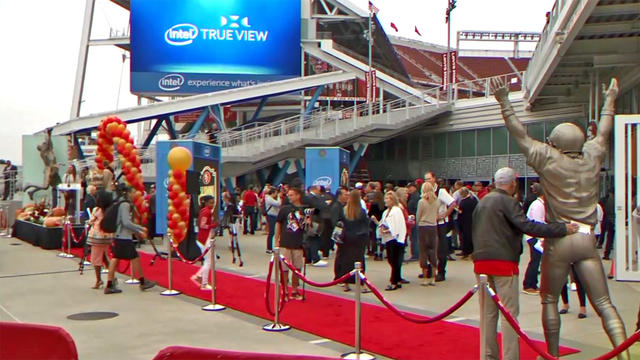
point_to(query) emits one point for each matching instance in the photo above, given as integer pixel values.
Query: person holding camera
(289, 238)
(355, 224)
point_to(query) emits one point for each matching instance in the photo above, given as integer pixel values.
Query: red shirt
(250, 198)
(496, 267)
(205, 224)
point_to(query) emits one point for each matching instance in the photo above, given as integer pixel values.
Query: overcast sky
(41, 41)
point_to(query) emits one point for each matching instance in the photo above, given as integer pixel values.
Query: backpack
(110, 220)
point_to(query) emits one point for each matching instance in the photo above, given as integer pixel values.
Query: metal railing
(324, 122)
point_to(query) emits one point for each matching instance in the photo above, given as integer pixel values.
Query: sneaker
(112, 290)
(269, 251)
(320, 263)
(531, 291)
(296, 296)
(148, 284)
(206, 287)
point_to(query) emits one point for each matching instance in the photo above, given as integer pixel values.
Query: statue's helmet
(567, 137)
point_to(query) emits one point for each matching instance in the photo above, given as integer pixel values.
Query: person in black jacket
(356, 235)
(498, 225)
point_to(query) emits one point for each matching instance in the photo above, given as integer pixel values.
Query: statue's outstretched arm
(517, 131)
(608, 111)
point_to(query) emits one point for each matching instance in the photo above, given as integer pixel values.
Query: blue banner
(326, 166)
(203, 177)
(194, 46)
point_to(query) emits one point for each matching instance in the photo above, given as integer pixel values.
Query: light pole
(450, 7)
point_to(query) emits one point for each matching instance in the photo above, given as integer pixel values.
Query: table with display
(45, 237)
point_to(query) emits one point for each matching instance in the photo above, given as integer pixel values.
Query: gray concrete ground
(38, 286)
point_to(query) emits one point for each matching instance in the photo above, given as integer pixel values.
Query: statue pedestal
(75, 191)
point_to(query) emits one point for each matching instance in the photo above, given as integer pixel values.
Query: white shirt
(536, 213)
(444, 201)
(597, 230)
(394, 219)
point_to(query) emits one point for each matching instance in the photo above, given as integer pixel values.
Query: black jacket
(498, 225)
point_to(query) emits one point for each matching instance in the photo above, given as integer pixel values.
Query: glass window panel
(469, 143)
(440, 146)
(499, 139)
(484, 142)
(536, 131)
(427, 147)
(453, 144)
(390, 149)
(414, 148)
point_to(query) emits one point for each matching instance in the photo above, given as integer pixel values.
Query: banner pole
(357, 354)
(170, 291)
(276, 326)
(212, 257)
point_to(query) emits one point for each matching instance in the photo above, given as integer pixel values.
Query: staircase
(273, 142)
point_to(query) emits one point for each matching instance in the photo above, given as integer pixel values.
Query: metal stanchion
(213, 306)
(86, 239)
(66, 228)
(170, 291)
(482, 296)
(276, 326)
(358, 354)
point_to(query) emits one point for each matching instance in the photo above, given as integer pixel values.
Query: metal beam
(229, 184)
(261, 105)
(196, 127)
(300, 169)
(313, 99)
(153, 132)
(141, 113)
(77, 144)
(277, 180)
(261, 177)
(170, 129)
(357, 156)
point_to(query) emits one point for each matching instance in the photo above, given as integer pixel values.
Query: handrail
(321, 116)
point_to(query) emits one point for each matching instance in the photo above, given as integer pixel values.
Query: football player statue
(569, 170)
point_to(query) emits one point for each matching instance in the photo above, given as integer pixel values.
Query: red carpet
(332, 317)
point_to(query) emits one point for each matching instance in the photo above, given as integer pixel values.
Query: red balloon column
(179, 159)
(113, 135)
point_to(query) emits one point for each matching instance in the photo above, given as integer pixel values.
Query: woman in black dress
(356, 235)
(376, 208)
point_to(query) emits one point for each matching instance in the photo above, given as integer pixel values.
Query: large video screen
(184, 47)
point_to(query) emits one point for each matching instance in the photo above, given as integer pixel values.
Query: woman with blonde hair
(427, 220)
(392, 229)
(355, 224)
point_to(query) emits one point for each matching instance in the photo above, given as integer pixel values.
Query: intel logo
(322, 181)
(181, 34)
(206, 151)
(171, 82)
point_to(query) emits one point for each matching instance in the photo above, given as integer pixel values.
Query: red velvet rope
(65, 230)
(514, 324)
(342, 279)
(267, 292)
(204, 253)
(430, 320)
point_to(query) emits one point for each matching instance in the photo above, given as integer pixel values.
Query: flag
(417, 31)
(373, 8)
(394, 27)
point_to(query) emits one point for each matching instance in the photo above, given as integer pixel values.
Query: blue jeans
(271, 220)
(250, 218)
(312, 248)
(531, 274)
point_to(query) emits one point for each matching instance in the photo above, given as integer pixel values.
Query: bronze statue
(569, 170)
(51, 175)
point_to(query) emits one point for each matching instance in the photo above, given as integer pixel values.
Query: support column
(300, 168)
(170, 129)
(196, 127)
(282, 172)
(313, 100)
(261, 177)
(228, 182)
(359, 151)
(82, 59)
(256, 114)
(153, 132)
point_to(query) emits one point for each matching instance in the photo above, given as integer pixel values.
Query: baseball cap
(504, 176)
(359, 185)
(419, 182)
